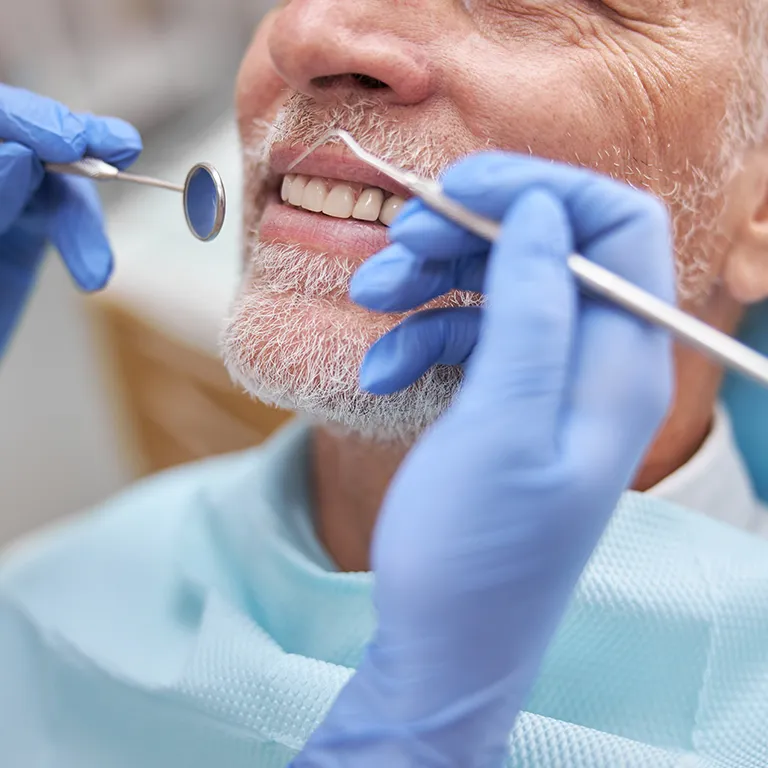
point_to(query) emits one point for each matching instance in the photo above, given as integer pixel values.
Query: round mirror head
(205, 202)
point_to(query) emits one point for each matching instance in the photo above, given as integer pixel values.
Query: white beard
(295, 341)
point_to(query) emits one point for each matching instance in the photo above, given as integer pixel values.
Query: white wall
(139, 59)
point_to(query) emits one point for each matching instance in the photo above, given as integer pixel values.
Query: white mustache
(303, 121)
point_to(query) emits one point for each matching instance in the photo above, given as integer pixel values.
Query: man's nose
(329, 49)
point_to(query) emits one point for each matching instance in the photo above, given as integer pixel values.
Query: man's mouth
(329, 203)
(340, 199)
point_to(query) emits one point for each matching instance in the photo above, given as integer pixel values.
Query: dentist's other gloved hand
(495, 512)
(37, 208)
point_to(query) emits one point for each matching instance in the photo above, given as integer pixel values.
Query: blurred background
(96, 392)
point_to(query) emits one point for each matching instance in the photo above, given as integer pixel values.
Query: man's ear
(745, 271)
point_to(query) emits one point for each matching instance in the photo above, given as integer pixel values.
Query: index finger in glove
(487, 183)
(598, 207)
(48, 128)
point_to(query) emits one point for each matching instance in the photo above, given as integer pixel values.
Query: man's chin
(303, 353)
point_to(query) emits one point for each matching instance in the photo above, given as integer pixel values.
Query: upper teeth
(343, 201)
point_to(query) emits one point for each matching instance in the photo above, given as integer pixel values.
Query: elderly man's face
(633, 88)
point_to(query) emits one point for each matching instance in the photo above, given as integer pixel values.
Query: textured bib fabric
(184, 625)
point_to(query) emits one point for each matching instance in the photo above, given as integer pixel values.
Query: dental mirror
(205, 201)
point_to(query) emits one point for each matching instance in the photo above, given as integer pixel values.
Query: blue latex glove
(496, 511)
(36, 207)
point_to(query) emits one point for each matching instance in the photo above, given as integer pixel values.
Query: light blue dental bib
(183, 626)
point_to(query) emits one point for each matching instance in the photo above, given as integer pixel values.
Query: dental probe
(592, 277)
(98, 170)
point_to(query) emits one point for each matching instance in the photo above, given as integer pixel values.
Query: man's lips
(349, 237)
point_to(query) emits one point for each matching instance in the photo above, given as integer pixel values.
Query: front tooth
(368, 206)
(285, 192)
(314, 195)
(297, 190)
(340, 202)
(390, 209)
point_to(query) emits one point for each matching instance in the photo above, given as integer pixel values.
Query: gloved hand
(36, 207)
(495, 512)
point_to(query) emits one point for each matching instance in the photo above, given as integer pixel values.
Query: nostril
(369, 82)
(364, 81)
